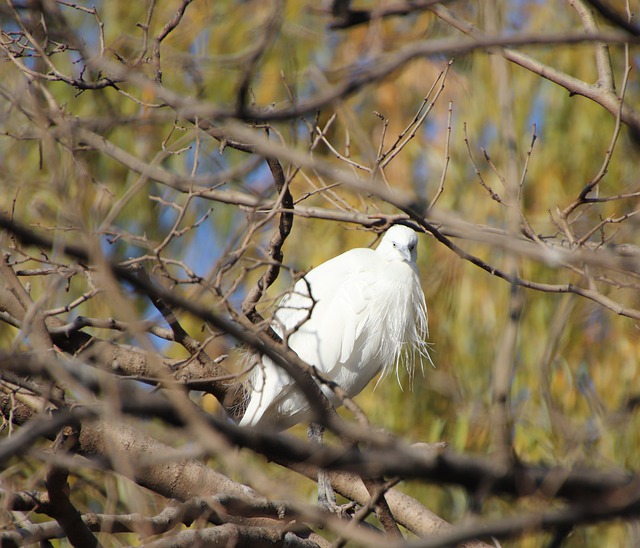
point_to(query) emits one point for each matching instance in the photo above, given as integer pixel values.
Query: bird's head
(399, 243)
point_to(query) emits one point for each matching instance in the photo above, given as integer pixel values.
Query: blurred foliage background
(574, 386)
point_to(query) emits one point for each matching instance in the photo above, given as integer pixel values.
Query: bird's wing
(265, 383)
(351, 303)
(322, 329)
(341, 291)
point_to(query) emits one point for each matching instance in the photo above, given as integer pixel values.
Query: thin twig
(494, 195)
(170, 26)
(447, 158)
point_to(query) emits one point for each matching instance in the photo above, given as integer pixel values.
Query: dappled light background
(575, 378)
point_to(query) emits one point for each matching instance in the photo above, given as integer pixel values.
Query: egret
(352, 317)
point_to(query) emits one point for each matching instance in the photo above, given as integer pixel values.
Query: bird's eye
(394, 244)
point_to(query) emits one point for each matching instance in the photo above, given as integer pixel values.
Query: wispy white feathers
(351, 317)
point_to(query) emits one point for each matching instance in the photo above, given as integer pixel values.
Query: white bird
(353, 316)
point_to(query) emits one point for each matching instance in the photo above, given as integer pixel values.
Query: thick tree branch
(386, 457)
(60, 507)
(345, 17)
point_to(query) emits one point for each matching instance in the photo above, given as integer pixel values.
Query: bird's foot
(340, 510)
(327, 498)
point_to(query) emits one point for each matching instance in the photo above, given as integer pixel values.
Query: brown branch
(345, 17)
(61, 29)
(408, 511)
(604, 168)
(410, 131)
(447, 158)
(270, 30)
(494, 196)
(166, 30)
(38, 427)
(275, 246)
(553, 254)
(386, 456)
(229, 394)
(32, 315)
(216, 509)
(179, 334)
(164, 470)
(198, 185)
(237, 535)
(514, 279)
(583, 513)
(615, 493)
(377, 490)
(603, 57)
(120, 359)
(60, 507)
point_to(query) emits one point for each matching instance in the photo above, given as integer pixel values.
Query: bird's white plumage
(351, 317)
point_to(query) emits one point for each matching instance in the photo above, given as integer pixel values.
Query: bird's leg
(326, 494)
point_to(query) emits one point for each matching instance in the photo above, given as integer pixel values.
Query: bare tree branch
(60, 506)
